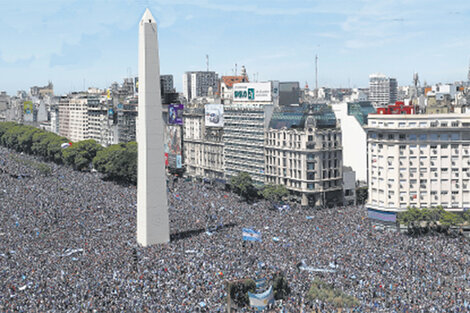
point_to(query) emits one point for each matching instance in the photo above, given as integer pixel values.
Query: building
(303, 152)
(64, 116)
(166, 83)
(126, 120)
(382, 89)
(203, 141)
(352, 117)
(289, 93)
(226, 85)
(245, 121)
(417, 161)
(197, 84)
(398, 108)
(78, 118)
(349, 186)
(40, 92)
(84, 116)
(4, 101)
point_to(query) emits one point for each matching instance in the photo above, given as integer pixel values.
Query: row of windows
(420, 124)
(414, 137)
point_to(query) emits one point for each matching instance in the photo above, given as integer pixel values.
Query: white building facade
(382, 89)
(417, 161)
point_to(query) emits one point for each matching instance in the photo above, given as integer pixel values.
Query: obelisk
(152, 207)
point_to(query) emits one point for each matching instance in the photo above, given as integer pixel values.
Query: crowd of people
(68, 244)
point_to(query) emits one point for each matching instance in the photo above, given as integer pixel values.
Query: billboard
(252, 92)
(175, 114)
(172, 146)
(28, 107)
(214, 115)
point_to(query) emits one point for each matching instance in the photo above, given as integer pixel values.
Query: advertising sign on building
(172, 145)
(175, 114)
(214, 115)
(252, 92)
(28, 107)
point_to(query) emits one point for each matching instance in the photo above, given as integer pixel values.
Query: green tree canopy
(242, 183)
(274, 193)
(81, 154)
(361, 195)
(238, 291)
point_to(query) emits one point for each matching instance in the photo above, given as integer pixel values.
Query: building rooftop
(360, 110)
(295, 116)
(230, 80)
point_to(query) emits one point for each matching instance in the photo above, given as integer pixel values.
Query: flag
(260, 284)
(65, 145)
(251, 235)
(261, 300)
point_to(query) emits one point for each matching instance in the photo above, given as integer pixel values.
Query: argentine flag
(251, 235)
(261, 300)
(260, 284)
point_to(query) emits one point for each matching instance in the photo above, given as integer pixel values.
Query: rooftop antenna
(235, 69)
(468, 74)
(207, 62)
(316, 75)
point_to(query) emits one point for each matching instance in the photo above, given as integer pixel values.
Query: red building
(398, 108)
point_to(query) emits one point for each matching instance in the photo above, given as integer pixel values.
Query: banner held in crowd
(261, 300)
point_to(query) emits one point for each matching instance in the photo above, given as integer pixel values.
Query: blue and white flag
(260, 284)
(261, 300)
(251, 235)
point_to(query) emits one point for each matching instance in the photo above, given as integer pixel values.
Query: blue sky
(73, 43)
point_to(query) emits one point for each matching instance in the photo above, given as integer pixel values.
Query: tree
(81, 154)
(466, 216)
(238, 291)
(327, 293)
(361, 195)
(25, 139)
(449, 219)
(242, 183)
(280, 287)
(274, 193)
(118, 162)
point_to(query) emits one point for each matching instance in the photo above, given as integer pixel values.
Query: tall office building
(197, 84)
(418, 161)
(382, 89)
(245, 121)
(166, 83)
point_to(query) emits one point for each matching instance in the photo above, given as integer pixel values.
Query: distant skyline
(94, 43)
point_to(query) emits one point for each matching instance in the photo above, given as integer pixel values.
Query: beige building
(203, 145)
(303, 152)
(82, 116)
(417, 161)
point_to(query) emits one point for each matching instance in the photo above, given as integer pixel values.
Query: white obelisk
(152, 208)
